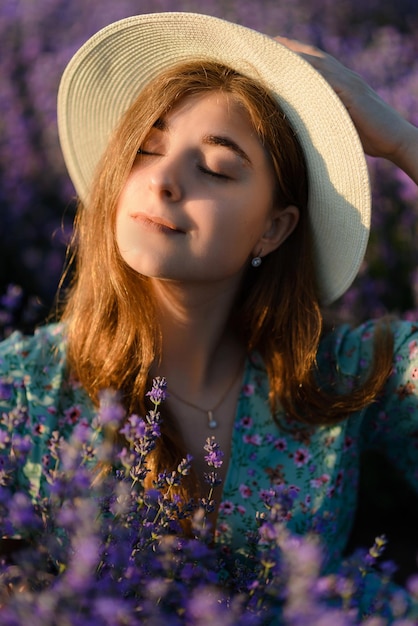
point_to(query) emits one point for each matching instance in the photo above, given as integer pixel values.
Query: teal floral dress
(320, 466)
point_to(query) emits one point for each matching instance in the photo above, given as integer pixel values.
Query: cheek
(253, 217)
(123, 226)
(124, 235)
(233, 242)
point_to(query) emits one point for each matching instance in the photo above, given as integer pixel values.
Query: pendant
(212, 423)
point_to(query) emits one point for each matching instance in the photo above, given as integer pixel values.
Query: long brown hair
(113, 332)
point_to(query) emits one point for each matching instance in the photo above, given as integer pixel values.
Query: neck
(197, 343)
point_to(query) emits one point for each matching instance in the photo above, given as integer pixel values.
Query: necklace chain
(212, 423)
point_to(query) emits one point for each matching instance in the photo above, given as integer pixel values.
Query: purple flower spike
(12, 299)
(134, 428)
(111, 410)
(158, 392)
(214, 454)
(5, 390)
(185, 465)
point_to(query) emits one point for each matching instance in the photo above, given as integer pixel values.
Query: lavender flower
(381, 44)
(99, 548)
(158, 392)
(5, 390)
(111, 411)
(12, 299)
(134, 429)
(214, 454)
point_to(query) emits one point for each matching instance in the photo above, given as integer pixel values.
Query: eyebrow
(226, 142)
(211, 140)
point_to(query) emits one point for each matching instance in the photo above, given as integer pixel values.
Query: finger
(299, 47)
(319, 59)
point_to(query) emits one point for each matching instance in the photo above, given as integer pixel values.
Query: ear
(282, 223)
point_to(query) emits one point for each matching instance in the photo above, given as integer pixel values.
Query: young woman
(224, 199)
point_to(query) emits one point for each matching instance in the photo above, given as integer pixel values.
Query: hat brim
(110, 69)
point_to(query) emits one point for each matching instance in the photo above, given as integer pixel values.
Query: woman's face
(199, 201)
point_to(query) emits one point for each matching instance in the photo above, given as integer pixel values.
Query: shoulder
(351, 350)
(20, 353)
(47, 335)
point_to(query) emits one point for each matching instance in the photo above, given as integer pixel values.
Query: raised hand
(382, 130)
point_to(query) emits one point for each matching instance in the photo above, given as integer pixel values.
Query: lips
(157, 223)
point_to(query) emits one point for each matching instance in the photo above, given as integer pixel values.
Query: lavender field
(377, 38)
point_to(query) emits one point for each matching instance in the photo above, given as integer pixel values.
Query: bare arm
(383, 131)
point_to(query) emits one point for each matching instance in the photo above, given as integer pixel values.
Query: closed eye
(209, 172)
(145, 152)
(204, 170)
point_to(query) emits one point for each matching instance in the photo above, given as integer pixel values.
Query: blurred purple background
(377, 38)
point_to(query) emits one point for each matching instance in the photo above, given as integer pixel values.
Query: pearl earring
(256, 261)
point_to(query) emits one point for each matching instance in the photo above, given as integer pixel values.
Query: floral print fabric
(319, 466)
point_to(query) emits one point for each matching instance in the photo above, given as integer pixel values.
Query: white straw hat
(107, 73)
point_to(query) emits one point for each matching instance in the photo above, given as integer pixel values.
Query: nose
(165, 181)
